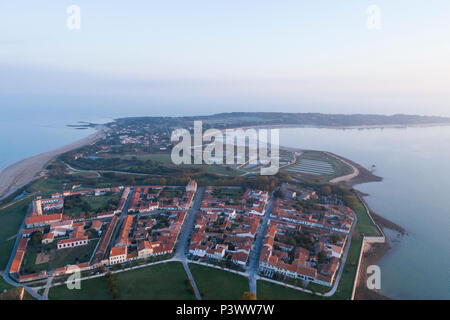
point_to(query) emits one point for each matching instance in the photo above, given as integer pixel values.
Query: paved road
(47, 287)
(252, 269)
(182, 247)
(191, 279)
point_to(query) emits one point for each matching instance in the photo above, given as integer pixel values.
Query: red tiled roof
(117, 251)
(44, 218)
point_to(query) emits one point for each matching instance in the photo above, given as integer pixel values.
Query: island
(112, 213)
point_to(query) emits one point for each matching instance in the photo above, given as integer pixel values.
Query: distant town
(119, 205)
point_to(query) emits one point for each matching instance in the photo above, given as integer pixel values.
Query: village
(59, 238)
(302, 235)
(305, 243)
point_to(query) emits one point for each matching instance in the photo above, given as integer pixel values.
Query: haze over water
(414, 164)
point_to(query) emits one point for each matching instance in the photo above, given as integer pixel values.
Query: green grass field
(45, 187)
(10, 220)
(166, 281)
(270, 291)
(95, 203)
(215, 284)
(365, 225)
(92, 289)
(4, 285)
(58, 258)
(157, 157)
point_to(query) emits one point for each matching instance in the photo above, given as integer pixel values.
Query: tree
(321, 257)
(248, 296)
(36, 237)
(278, 194)
(326, 190)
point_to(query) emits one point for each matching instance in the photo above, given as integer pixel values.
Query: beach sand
(23, 172)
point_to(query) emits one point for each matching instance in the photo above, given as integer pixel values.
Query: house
(240, 258)
(48, 238)
(40, 221)
(118, 255)
(72, 242)
(96, 225)
(28, 232)
(77, 239)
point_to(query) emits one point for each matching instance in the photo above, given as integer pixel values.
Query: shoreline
(356, 127)
(21, 173)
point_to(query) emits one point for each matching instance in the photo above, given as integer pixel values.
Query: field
(10, 221)
(365, 225)
(4, 285)
(345, 287)
(228, 193)
(58, 258)
(271, 291)
(92, 289)
(165, 281)
(91, 204)
(215, 284)
(45, 187)
(318, 166)
(157, 157)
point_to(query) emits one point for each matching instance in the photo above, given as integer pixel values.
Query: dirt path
(347, 177)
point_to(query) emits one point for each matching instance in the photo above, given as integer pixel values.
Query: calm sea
(414, 163)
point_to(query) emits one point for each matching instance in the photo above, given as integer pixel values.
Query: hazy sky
(234, 55)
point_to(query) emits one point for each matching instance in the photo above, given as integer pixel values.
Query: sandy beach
(23, 172)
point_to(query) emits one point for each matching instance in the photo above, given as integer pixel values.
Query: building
(44, 220)
(48, 238)
(72, 242)
(191, 186)
(77, 239)
(118, 255)
(97, 225)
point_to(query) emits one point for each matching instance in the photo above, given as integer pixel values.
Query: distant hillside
(238, 119)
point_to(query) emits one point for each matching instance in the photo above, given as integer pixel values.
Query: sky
(204, 56)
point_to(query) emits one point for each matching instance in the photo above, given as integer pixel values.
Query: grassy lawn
(4, 285)
(157, 157)
(46, 187)
(10, 220)
(227, 193)
(92, 289)
(215, 284)
(94, 203)
(344, 290)
(270, 291)
(365, 225)
(166, 281)
(75, 255)
(58, 258)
